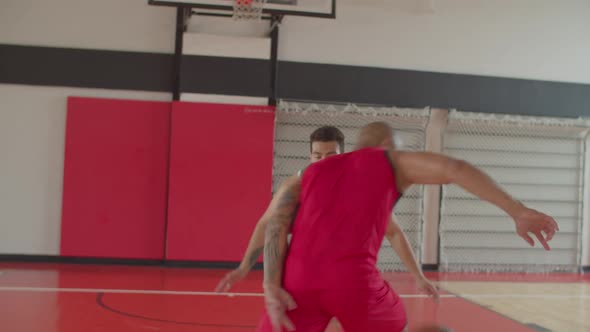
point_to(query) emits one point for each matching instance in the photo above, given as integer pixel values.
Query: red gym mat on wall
(115, 178)
(220, 178)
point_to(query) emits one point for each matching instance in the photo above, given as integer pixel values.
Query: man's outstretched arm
(431, 168)
(253, 251)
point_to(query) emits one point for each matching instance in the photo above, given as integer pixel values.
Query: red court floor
(85, 298)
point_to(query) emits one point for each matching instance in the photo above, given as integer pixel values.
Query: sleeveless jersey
(346, 202)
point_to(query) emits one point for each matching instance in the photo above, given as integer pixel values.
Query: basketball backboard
(311, 8)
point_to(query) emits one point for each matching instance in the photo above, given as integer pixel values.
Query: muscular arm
(255, 248)
(400, 244)
(253, 251)
(281, 214)
(256, 244)
(430, 168)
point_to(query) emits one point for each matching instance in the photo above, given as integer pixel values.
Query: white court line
(197, 293)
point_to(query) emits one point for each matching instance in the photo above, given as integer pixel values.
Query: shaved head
(375, 134)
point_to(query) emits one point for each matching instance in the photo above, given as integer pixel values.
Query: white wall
(130, 25)
(534, 39)
(230, 44)
(32, 138)
(32, 119)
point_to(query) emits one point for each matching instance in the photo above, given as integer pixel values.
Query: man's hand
(428, 287)
(537, 223)
(230, 279)
(278, 301)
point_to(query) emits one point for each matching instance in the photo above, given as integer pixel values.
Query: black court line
(100, 302)
(50, 259)
(538, 328)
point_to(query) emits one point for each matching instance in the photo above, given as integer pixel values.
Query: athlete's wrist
(244, 267)
(267, 285)
(242, 271)
(516, 209)
(419, 276)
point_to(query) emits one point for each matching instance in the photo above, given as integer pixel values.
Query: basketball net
(248, 9)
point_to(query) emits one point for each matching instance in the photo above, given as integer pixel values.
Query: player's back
(346, 203)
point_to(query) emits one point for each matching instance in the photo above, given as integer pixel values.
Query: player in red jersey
(343, 204)
(325, 142)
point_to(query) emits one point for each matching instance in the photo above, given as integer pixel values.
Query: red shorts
(357, 311)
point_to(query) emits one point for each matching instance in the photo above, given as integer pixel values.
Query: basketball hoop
(248, 9)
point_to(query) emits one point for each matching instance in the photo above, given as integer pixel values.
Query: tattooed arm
(282, 212)
(253, 251)
(256, 245)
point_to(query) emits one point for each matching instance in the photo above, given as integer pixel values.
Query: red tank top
(346, 202)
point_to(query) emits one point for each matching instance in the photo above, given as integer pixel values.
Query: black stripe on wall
(303, 81)
(227, 76)
(406, 88)
(85, 68)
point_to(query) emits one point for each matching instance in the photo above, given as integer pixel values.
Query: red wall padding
(220, 178)
(115, 178)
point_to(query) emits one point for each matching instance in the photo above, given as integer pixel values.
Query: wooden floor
(554, 306)
(74, 298)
